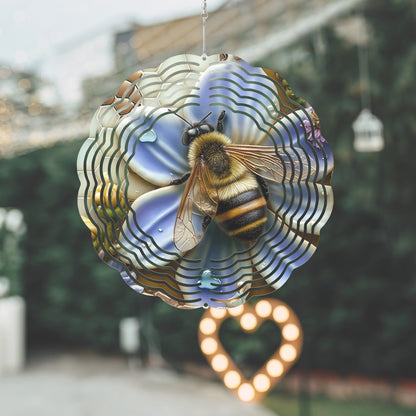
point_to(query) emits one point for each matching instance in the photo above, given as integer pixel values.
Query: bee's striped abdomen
(243, 216)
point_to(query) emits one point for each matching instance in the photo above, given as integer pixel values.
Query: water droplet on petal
(206, 274)
(149, 136)
(160, 230)
(208, 281)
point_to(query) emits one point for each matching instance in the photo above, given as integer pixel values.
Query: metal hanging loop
(204, 15)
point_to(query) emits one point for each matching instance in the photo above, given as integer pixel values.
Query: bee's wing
(199, 201)
(287, 165)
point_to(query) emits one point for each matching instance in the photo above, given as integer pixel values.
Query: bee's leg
(220, 123)
(206, 221)
(263, 186)
(181, 180)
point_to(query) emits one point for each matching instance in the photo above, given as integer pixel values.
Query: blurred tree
(357, 297)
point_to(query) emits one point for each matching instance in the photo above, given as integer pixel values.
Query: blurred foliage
(72, 297)
(249, 350)
(356, 299)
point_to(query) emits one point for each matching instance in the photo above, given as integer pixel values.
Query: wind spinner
(205, 181)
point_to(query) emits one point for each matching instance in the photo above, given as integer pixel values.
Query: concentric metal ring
(132, 166)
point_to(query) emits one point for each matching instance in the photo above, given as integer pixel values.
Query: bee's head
(195, 129)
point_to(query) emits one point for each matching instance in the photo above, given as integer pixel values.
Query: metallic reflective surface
(132, 172)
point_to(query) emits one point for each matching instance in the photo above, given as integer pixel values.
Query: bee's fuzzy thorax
(211, 149)
(205, 144)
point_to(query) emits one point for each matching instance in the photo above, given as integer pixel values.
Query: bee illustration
(228, 182)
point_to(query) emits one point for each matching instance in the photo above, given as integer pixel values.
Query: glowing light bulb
(238, 310)
(209, 346)
(248, 321)
(263, 308)
(207, 326)
(219, 362)
(274, 368)
(287, 352)
(261, 383)
(218, 313)
(246, 392)
(281, 313)
(232, 379)
(290, 332)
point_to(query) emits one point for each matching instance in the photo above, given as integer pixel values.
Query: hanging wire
(363, 65)
(204, 15)
(364, 76)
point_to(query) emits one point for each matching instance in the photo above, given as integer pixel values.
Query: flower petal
(172, 81)
(146, 239)
(151, 144)
(216, 273)
(305, 207)
(246, 93)
(291, 132)
(279, 251)
(135, 185)
(98, 163)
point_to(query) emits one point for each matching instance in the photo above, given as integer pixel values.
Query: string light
(290, 332)
(263, 308)
(250, 318)
(248, 321)
(275, 368)
(207, 326)
(218, 313)
(209, 346)
(232, 379)
(219, 362)
(236, 311)
(288, 352)
(261, 383)
(246, 392)
(281, 314)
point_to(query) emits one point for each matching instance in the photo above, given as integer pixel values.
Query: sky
(33, 30)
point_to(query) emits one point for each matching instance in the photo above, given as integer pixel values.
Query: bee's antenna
(186, 121)
(200, 122)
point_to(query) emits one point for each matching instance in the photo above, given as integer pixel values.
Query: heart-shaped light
(250, 318)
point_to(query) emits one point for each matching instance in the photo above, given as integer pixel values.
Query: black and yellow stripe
(243, 216)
